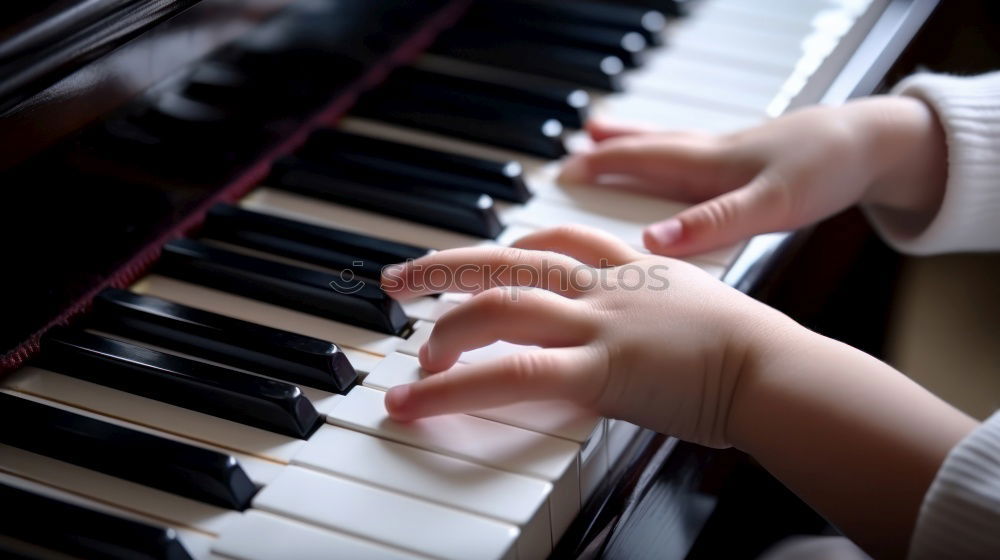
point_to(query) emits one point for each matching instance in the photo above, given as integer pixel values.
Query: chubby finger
(759, 207)
(474, 269)
(518, 315)
(602, 129)
(679, 166)
(576, 374)
(588, 245)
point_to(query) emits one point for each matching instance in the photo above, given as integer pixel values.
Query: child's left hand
(649, 339)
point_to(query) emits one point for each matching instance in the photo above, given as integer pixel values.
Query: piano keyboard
(230, 404)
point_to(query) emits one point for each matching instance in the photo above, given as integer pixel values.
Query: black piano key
(276, 353)
(648, 22)
(283, 57)
(502, 179)
(81, 532)
(200, 125)
(343, 298)
(180, 136)
(464, 212)
(568, 104)
(223, 84)
(404, 181)
(175, 110)
(227, 393)
(172, 466)
(626, 45)
(526, 133)
(524, 120)
(675, 8)
(327, 247)
(581, 67)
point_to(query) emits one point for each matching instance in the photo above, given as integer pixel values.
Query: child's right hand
(887, 152)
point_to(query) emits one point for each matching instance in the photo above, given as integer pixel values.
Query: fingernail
(395, 398)
(666, 232)
(574, 170)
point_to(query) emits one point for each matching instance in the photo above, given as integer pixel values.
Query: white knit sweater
(960, 515)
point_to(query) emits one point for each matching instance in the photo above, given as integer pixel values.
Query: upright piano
(198, 197)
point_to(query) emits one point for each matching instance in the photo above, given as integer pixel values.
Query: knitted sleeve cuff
(960, 515)
(969, 217)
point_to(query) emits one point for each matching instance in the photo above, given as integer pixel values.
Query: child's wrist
(904, 145)
(772, 348)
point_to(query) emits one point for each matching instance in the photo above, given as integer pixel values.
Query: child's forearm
(853, 437)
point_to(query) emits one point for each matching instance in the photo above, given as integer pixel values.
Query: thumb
(757, 207)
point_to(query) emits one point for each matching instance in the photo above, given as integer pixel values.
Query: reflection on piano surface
(218, 398)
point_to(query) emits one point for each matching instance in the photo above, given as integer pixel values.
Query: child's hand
(653, 340)
(792, 171)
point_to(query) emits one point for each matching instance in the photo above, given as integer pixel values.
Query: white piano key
(752, 39)
(474, 439)
(426, 308)
(652, 83)
(259, 470)
(331, 214)
(154, 414)
(594, 469)
(784, 14)
(516, 499)
(543, 214)
(722, 257)
(511, 234)
(198, 545)
(260, 535)
(422, 331)
(175, 510)
(620, 434)
(671, 114)
(467, 437)
(383, 516)
(555, 418)
(776, 21)
(606, 200)
(223, 303)
(667, 67)
(362, 361)
(420, 334)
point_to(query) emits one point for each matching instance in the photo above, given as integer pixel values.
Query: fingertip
(397, 403)
(574, 169)
(662, 236)
(601, 129)
(392, 280)
(424, 356)
(432, 361)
